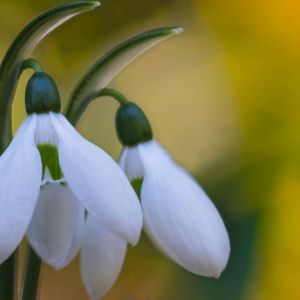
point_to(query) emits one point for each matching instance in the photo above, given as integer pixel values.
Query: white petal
(123, 159)
(102, 256)
(98, 182)
(180, 218)
(44, 133)
(154, 157)
(56, 228)
(21, 173)
(130, 163)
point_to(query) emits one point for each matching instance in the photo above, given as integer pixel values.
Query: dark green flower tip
(41, 94)
(132, 125)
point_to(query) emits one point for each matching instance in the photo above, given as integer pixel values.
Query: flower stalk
(32, 63)
(31, 276)
(8, 274)
(100, 74)
(114, 94)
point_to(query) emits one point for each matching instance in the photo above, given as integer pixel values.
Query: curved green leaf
(25, 42)
(109, 65)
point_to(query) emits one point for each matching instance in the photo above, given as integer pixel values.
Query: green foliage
(22, 46)
(109, 65)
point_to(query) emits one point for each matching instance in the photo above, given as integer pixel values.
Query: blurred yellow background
(224, 98)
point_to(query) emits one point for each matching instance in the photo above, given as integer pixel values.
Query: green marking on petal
(137, 185)
(50, 162)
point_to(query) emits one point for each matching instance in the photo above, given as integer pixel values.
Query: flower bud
(132, 125)
(41, 94)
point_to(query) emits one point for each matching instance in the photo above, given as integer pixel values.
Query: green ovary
(49, 156)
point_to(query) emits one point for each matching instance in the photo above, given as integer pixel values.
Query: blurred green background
(223, 97)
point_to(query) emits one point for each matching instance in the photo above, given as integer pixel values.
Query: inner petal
(46, 142)
(44, 132)
(50, 163)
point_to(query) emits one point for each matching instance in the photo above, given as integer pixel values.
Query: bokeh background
(224, 98)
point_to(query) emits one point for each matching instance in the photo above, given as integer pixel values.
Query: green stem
(74, 115)
(109, 65)
(32, 274)
(114, 94)
(7, 277)
(31, 63)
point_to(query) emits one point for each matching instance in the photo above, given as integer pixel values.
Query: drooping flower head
(64, 192)
(179, 217)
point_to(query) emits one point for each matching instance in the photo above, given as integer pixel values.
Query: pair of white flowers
(67, 195)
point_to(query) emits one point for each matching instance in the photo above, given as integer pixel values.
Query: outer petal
(102, 257)
(56, 228)
(98, 182)
(179, 217)
(130, 163)
(123, 159)
(21, 173)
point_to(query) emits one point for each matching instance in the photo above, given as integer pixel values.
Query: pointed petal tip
(217, 275)
(133, 234)
(130, 235)
(56, 265)
(215, 265)
(95, 295)
(216, 272)
(210, 263)
(210, 270)
(134, 241)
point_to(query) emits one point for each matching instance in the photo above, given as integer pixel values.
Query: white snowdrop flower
(50, 176)
(178, 216)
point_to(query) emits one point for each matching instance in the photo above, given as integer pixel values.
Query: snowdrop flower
(179, 217)
(51, 175)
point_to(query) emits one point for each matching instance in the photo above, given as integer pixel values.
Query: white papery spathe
(92, 181)
(178, 216)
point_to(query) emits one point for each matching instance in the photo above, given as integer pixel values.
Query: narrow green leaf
(109, 65)
(22, 46)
